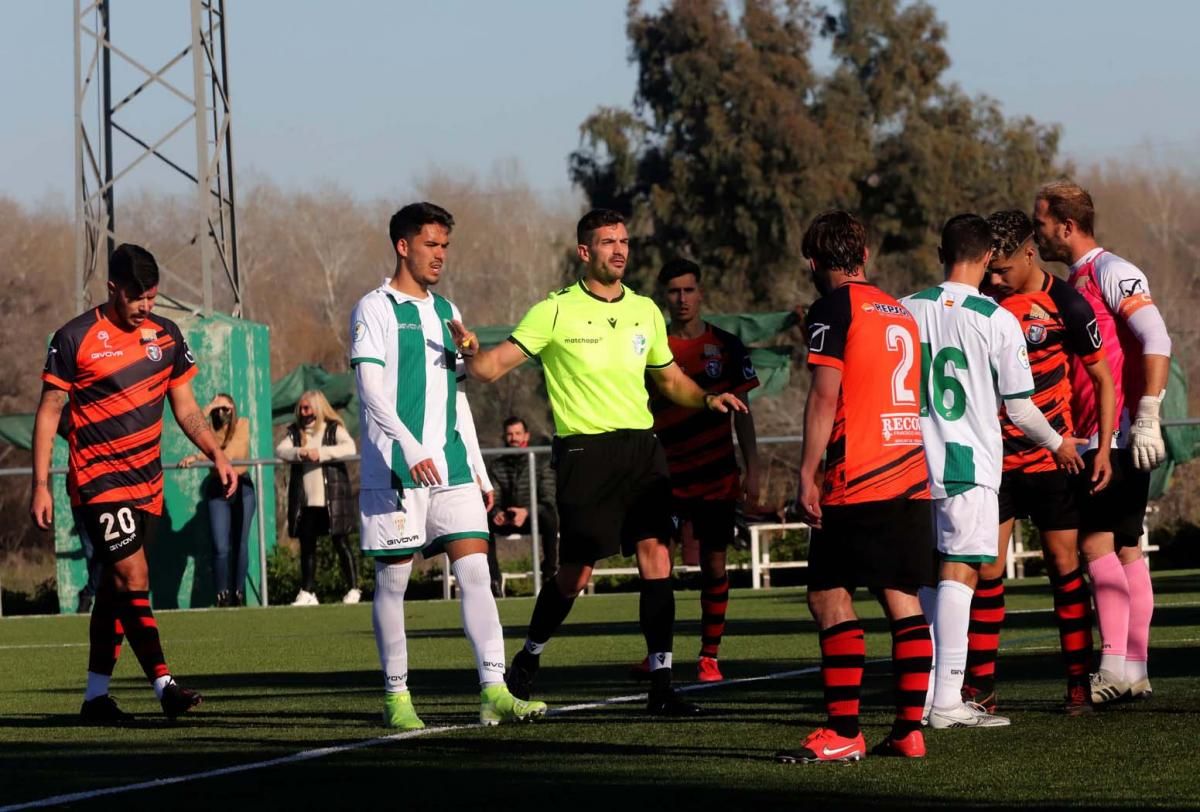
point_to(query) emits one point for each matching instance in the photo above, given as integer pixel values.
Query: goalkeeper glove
(1146, 440)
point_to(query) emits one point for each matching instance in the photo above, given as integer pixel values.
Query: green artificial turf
(281, 681)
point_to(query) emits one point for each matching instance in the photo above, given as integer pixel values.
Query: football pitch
(291, 718)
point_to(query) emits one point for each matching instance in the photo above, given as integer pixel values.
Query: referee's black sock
(657, 615)
(549, 612)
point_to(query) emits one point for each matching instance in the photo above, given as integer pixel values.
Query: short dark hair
(409, 221)
(835, 240)
(513, 420)
(596, 219)
(1010, 229)
(132, 268)
(965, 237)
(1070, 201)
(678, 267)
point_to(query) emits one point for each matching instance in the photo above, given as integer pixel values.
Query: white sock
(1134, 670)
(927, 595)
(160, 684)
(480, 618)
(97, 686)
(1114, 663)
(950, 642)
(387, 616)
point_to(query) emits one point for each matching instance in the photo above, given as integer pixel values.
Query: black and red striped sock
(1072, 610)
(983, 634)
(105, 634)
(843, 655)
(714, 600)
(141, 629)
(912, 659)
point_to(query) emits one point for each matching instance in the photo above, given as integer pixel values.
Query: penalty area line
(322, 752)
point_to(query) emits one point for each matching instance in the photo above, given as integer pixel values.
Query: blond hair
(320, 405)
(1069, 201)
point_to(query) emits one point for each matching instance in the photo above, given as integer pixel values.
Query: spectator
(510, 476)
(229, 517)
(320, 501)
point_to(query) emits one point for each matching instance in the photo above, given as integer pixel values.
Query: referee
(597, 340)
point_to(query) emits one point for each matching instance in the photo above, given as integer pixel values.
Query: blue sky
(372, 94)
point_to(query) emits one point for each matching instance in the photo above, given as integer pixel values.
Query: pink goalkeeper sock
(1141, 609)
(1112, 603)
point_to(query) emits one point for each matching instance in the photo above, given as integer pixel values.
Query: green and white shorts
(968, 525)
(420, 520)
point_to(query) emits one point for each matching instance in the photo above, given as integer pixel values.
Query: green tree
(735, 140)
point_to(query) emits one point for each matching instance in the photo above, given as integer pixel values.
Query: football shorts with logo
(402, 523)
(117, 529)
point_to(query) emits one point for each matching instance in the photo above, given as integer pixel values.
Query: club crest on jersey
(154, 352)
(639, 344)
(1035, 334)
(1023, 357)
(360, 330)
(713, 368)
(900, 429)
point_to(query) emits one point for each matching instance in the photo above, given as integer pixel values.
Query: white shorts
(422, 520)
(968, 525)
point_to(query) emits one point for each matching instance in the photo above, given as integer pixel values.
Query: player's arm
(747, 437)
(191, 420)
(485, 365)
(1106, 395)
(465, 423)
(819, 413)
(45, 427)
(1027, 417)
(680, 389)
(381, 411)
(1127, 293)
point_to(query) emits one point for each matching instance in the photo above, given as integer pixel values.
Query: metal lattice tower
(114, 140)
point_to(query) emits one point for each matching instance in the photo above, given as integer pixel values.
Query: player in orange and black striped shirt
(115, 364)
(871, 511)
(1058, 324)
(705, 481)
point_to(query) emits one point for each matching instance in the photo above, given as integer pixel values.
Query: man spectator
(511, 514)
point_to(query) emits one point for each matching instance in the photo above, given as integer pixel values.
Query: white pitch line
(321, 752)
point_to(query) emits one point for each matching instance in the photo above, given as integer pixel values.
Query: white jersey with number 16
(973, 356)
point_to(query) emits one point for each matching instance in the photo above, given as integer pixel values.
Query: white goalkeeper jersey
(973, 356)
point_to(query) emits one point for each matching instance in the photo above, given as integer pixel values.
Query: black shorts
(1121, 507)
(613, 491)
(1048, 498)
(712, 521)
(117, 530)
(879, 545)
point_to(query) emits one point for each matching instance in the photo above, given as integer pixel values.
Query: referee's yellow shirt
(595, 354)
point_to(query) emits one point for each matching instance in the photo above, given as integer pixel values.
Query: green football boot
(398, 712)
(497, 705)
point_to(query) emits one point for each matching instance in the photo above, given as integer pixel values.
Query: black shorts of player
(878, 545)
(117, 529)
(1048, 498)
(712, 521)
(613, 490)
(1121, 507)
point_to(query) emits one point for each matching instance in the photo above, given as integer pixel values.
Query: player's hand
(41, 507)
(501, 518)
(724, 403)
(188, 461)
(225, 473)
(426, 473)
(489, 500)
(1101, 470)
(809, 502)
(1146, 440)
(750, 488)
(1067, 455)
(519, 515)
(310, 454)
(465, 341)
